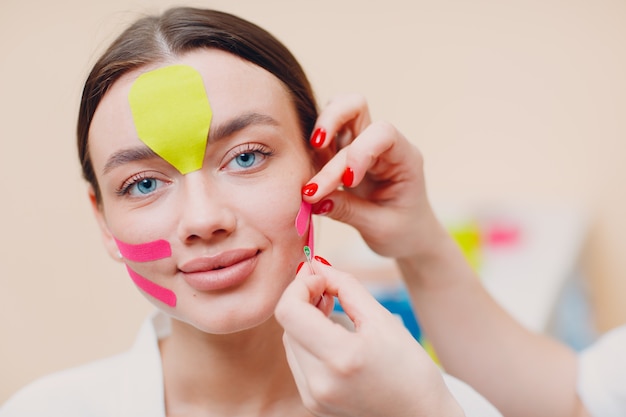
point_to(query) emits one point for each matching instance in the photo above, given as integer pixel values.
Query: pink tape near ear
(160, 293)
(311, 234)
(145, 252)
(303, 219)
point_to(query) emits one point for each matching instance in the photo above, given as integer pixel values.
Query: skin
(329, 363)
(242, 349)
(341, 372)
(207, 214)
(522, 373)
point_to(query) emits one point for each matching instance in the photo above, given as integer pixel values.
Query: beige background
(520, 100)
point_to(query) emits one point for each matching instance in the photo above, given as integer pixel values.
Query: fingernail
(322, 260)
(348, 177)
(324, 207)
(299, 267)
(319, 136)
(309, 189)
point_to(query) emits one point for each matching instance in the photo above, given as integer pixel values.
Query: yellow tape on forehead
(172, 115)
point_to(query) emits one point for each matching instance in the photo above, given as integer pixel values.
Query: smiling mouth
(227, 270)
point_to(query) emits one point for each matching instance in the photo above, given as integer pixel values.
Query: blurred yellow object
(428, 347)
(468, 236)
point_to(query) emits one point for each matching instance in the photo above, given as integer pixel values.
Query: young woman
(193, 134)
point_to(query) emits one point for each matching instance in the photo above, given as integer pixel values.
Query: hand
(384, 195)
(376, 370)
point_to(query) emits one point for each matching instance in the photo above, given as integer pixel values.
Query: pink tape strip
(303, 218)
(145, 252)
(311, 235)
(160, 293)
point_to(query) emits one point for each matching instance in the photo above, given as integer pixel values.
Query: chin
(226, 321)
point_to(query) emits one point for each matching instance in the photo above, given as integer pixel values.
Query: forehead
(233, 87)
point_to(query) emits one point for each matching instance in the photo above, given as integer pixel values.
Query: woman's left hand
(378, 369)
(373, 180)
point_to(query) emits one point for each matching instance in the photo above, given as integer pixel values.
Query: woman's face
(230, 224)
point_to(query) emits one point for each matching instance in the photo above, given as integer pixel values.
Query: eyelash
(246, 148)
(125, 188)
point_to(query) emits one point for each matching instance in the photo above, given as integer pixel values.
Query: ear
(321, 156)
(107, 237)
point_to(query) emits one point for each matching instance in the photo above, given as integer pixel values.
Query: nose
(204, 211)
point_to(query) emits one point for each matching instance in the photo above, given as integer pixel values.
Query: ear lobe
(107, 237)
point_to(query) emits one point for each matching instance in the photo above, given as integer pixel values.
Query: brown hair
(179, 30)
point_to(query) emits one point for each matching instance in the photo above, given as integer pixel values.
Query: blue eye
(142, 184)
(246, 160)
(146, 186)
(143, 187)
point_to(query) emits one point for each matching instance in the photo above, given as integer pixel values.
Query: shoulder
(87, 390)
(602, 374)
(128, 384)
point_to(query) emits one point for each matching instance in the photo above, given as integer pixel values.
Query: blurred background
(518, 106)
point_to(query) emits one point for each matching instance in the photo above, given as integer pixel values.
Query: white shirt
(131, 385)
(602, 375)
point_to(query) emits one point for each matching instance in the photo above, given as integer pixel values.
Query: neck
(245, 373)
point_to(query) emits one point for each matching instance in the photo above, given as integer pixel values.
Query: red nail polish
(319, 136)
(322, 260)
(348, 177)
(299, 267)
(309, 189)
(324, 207)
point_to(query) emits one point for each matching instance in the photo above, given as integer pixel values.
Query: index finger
(305, 323)
(380, 150)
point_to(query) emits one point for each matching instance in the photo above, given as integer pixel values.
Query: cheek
(274, 214)
(273, 210)
(147, 225)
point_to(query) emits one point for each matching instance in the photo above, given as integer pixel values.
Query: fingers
(337, 370)
(308, 327)
(303, 322)
(384, 169)
(343, 118)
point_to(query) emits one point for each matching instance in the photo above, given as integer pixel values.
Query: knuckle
(351, 362)
(280, 312)
(359, 100)
(323, 394)
(385, 128)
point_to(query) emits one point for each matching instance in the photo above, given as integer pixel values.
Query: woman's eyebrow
(125, 156)
(239, 123)
(234, 125)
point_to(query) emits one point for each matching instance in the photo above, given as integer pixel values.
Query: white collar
(142, 393)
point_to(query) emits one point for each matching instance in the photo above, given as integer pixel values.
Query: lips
(213, 273)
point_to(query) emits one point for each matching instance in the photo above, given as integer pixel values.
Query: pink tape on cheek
(160, 293)
(303, 218)
(145, 252)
